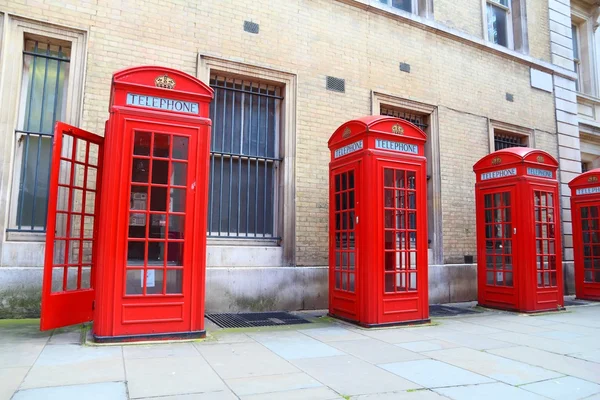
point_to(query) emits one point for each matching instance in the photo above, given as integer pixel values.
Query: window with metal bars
(504, 140)
(585, 166)
(42, 102)
(244, 159)
(417, 119)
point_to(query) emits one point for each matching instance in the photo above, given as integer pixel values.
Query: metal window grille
(336, 84)
(43, 102)
(506, 140)
(417, 119)
(244, 159)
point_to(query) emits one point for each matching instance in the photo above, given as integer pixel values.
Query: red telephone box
(146, 239)
(519, 259)
(585, 208)
(378, 222)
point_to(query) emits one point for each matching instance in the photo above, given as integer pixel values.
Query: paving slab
(420, 394)
(376, 352)
(294, 346)
(241, 360)
(320, 393)
(171, 376)
(219, 395)
(428, 345)
(559, 335)
(93, 391)
(551, 345)
(508, 325)
(66, 337)
(396, 335)
(492, 366)
(348, 375)
(490, 391)
(75, 364)
(565, 388)
(19, 354)
(477, 342)
(555, 362)
(221, 337)
(433, 373)
(593, 356)
(10, 379)
(19, 331)
(470, 326)
(272, 383)
(333, 334)
(159, 350)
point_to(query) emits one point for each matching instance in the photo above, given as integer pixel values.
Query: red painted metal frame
(69, 306)
(536, 270)
(585, 194)
(119, 316)
(370, 304)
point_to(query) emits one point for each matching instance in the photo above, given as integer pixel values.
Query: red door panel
(343, 255)
(404, 244)
(73, 203)
(498, 269)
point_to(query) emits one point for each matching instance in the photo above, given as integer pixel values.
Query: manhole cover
(437, 310)
(249, 320)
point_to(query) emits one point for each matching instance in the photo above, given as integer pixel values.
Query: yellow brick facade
(319, 38)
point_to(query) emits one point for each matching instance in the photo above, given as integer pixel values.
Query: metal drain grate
(437, 310)
(249, 320)
(576, 302)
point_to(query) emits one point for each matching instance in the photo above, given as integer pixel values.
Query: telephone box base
(516, 310)
(151, 337)
(384, 325)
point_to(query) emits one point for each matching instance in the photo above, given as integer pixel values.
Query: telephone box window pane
(337, 202)
(156, 253)
(160, 172)
(389, 282)
(174, 281)
(60, 249)
(57, 279)
(388, 177)
(584, 213)
(337, 280)
(137, 225)
(344, 182)
(179, 174)
(350, 179)
(141, 144)
(594, 212)
(135, 253)
(175, 254)
(411, 180)
(337, 183)
(77, 199)
(86, 274)
(180, 147)
(177, 200)
(161, 145)
(154, 281)
(90, 202)
(134, 284)
(91, 178)
(61, 225)
(389, 198)
(351, 199)
(352, 284)
(389, 242)
(138, 200)
(488, 201)
(176, 226)
(390, 261)
(140, 170)
(158, 226)
(158, 198)
(75, 226)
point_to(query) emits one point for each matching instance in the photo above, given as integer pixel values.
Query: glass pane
(174, 281)
(61, 225)
(137, 225)
(161, 145)
(388, 198)
(350, 179)
(405, 5)
(175, 254)
(60, 248)
(141, 143)
(497, 25)
(156, 253)
(135, 253)
(138, 199)
(352, 283)
(154, 281)
(177, 200)
(179, 171)
(92, 178)
(160, 171)
(140, 170)
(90, 202)
(388, 177)
(176, 226)
(158, 226)
(135, 284)
(411, 180)
(158, 198)
(337, 280)
(75, 226)
(57, 279)
(180, 147)
(344, 181)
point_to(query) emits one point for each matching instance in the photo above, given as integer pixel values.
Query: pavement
(489, 355)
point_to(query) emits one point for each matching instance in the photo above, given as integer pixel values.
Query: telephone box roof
(517, 155)
(379, 123)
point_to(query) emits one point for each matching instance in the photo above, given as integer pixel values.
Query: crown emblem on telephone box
(164, 81)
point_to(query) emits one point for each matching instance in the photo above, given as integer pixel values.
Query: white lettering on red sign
(396, 146)
(162, 103)
(499, 174)
(592, 190)
(351, 148)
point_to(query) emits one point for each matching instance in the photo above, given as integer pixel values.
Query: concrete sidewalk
(491, 355)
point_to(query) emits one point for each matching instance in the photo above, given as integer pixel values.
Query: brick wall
(315, 39)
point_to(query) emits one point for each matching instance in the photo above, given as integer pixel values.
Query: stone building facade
(476, 76)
